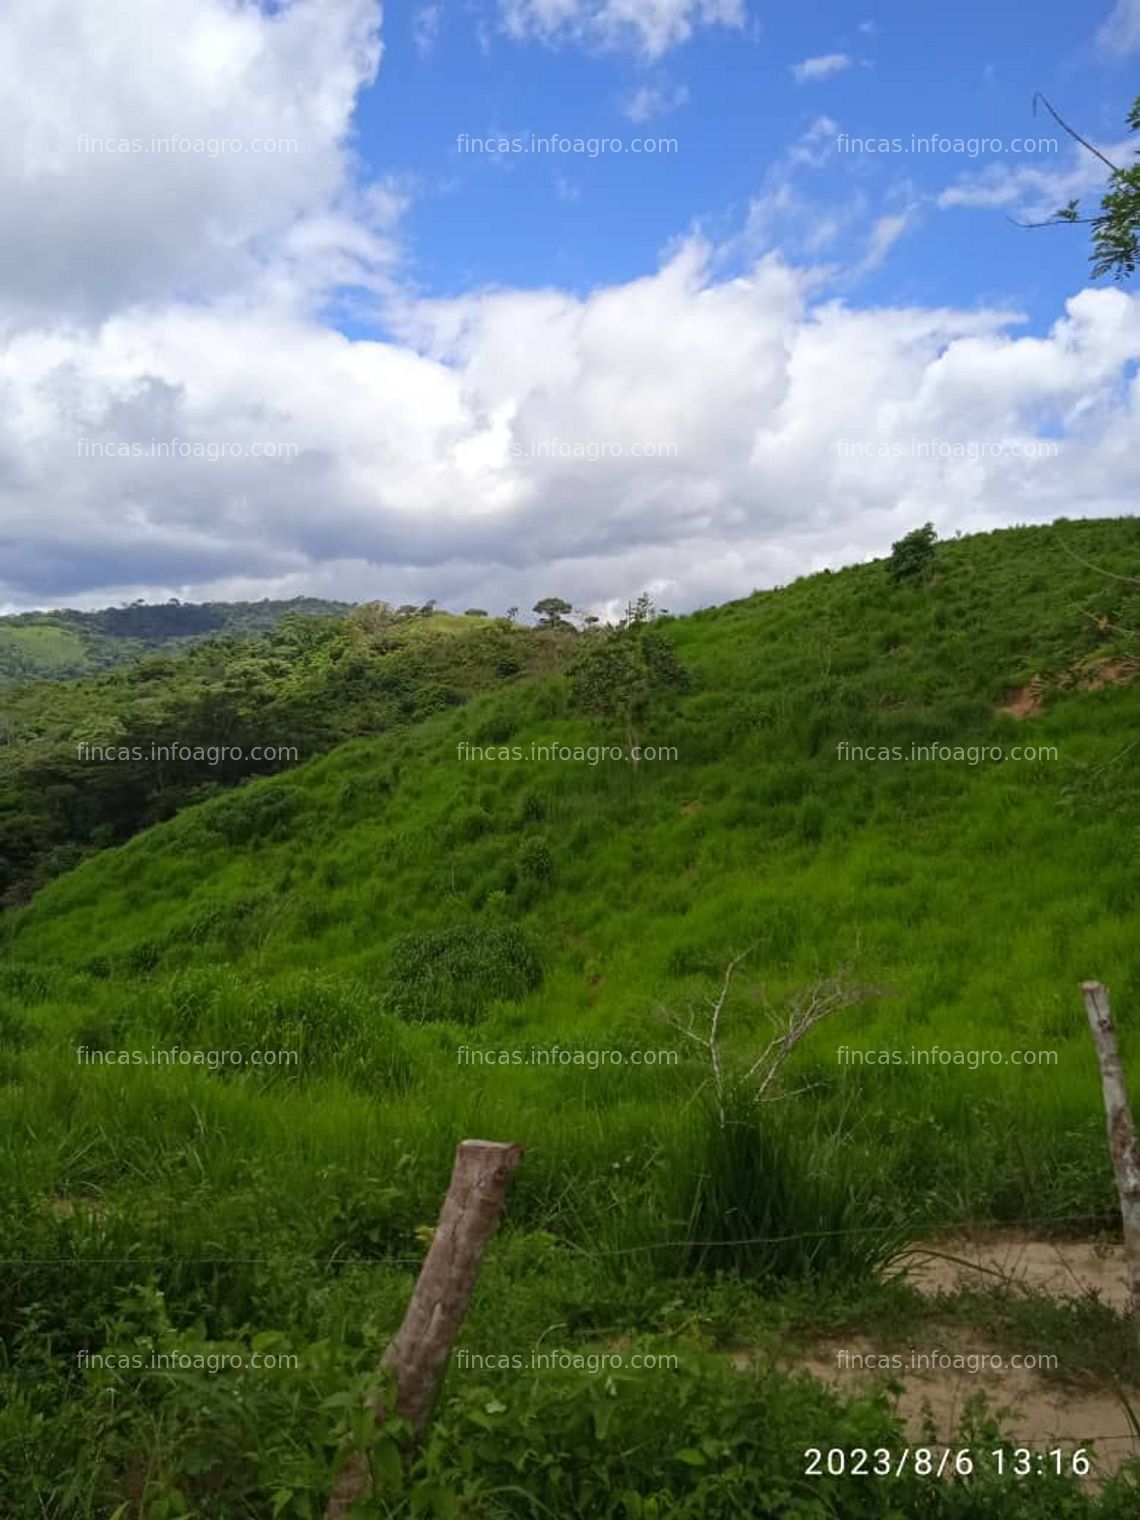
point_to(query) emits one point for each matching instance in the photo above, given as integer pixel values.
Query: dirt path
(940, 1376)
(1061, 1268)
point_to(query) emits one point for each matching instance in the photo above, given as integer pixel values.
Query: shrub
(535, 860)
(468, 824)
(458, 973)
(912, 556)
(249, 814)
(532, 807)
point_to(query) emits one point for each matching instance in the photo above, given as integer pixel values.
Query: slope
(392, 919)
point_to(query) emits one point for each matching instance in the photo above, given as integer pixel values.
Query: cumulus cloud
(652, 27)
(820, 68)
(178, 418)
(706, 435)
(151, 147)
(1120, 32)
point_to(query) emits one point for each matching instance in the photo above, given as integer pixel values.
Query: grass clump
(458, 973)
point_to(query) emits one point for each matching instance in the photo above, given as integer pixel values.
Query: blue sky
(318, 348)
(966, 71)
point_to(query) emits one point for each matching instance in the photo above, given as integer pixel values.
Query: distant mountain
(64, 644)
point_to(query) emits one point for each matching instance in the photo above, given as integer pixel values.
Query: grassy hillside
(390, 907)
(87, 763)
(65, 644)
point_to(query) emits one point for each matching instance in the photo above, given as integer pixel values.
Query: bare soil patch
(1090, 674)
(1037, 1408)
(1036, 1411)
(1026, 701)
(1061, 1268)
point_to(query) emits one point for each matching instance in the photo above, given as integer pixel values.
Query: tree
(912, 557)
(370, 618)
(1116, 229)
(475, 612)
(641, 611)
(618, 671)
(552, 612)
(512, 614)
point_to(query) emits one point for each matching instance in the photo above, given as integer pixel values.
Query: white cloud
(885, 233)
(1034, 189)
(803, 223)
(816, 145)
(426, 23)
(136, 156)
(822, 67)
(453, 459)
(650, 100)
(653, 27)
(1121, 30)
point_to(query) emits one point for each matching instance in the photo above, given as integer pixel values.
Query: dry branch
(803, 1013)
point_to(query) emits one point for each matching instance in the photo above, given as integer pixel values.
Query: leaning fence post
(418, 1352)
(1121, 1130)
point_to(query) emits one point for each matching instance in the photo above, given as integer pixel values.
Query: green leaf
(387, 1465)
(691, 1456)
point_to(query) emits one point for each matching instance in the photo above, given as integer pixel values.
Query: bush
(256, 813)
(912, 557)
(531, 808)
(535, 860)
(458, 973)
(468, 824)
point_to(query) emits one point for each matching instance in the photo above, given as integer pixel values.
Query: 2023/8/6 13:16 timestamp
(946, 1462)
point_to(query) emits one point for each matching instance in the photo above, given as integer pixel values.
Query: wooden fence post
(418, 1352)
(1121, 1130)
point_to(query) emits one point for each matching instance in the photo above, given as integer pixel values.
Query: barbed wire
(960, 1226)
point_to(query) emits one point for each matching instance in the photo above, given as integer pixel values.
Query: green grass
(388, 903)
